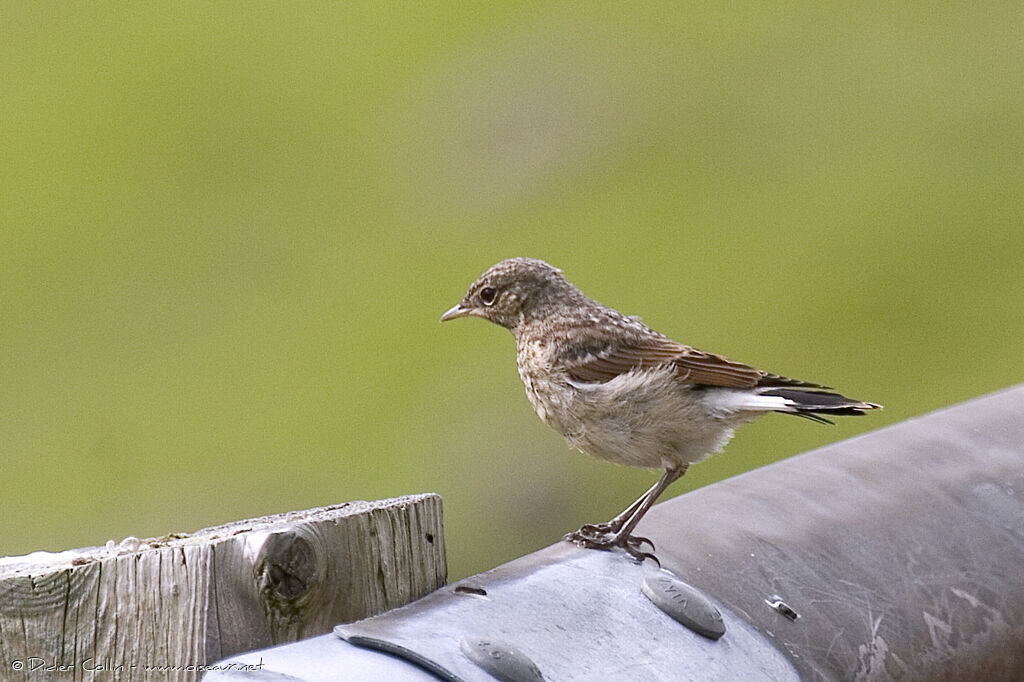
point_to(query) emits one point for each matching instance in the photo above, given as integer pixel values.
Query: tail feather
(814, 404)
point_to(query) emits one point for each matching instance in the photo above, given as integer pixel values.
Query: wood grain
(192, 599)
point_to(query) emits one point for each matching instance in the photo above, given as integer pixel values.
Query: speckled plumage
(642, 417)
(618, 390)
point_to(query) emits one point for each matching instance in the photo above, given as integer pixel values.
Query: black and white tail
(812, 404)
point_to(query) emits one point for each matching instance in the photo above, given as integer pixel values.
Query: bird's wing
(692, 365)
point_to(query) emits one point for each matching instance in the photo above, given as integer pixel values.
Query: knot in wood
(289, 565)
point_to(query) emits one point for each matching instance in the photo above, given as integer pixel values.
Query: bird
(620, 391)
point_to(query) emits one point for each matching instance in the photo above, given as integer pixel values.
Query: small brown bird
(618, 390)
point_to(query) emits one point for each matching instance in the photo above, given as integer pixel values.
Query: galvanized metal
(577, 615)
(898, 554)
(901, 551)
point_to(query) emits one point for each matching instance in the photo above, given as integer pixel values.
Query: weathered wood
(162, 608)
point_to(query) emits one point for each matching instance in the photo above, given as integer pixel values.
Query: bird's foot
(600, 536)
(598, 529)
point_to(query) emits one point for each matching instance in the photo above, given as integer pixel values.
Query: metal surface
(320, 659)
(572, 613)
(899, 554)
(577, 614)
(901, 550)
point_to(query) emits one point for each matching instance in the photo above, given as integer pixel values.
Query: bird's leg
(615, 524)
(670, 477)
(618, 531)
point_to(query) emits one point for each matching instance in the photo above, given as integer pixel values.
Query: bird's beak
(456, 311)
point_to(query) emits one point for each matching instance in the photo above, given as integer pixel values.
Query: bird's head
(514, 291)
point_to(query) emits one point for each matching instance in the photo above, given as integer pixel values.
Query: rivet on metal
(685, 604)
(501, 660)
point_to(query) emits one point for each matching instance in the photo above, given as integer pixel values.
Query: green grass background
(227, 231)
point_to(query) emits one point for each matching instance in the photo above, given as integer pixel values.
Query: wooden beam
(187, 600)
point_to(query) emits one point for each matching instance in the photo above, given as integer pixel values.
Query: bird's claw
(594, 536)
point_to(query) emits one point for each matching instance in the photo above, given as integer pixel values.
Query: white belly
(644, 419)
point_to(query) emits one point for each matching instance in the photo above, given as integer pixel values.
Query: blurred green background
(229, 229)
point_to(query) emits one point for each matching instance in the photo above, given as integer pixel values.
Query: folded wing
(692, 365)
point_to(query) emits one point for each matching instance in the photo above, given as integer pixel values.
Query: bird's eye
(488, 295)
